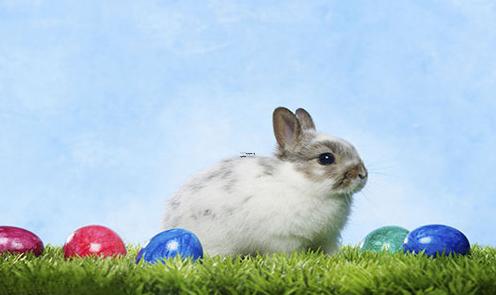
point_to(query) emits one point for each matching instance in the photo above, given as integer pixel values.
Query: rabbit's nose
(357, 171)
(362, 172)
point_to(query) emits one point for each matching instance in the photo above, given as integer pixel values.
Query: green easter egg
(386, 238)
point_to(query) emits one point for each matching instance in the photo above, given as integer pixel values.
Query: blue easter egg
(436, 239)
(171, 243)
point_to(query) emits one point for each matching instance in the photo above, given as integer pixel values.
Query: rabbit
(298, 200)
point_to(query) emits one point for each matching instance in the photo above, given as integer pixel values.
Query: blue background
(106, 107)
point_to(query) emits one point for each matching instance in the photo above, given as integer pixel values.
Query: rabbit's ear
(305, 119)
(287, 128)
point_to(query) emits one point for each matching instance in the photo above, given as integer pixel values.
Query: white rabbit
(298, 200)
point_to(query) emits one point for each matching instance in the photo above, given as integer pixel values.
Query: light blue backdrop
(106, 107)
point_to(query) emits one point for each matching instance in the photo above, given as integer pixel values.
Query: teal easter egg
(386, 238)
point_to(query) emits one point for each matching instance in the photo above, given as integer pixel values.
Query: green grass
(348, 272)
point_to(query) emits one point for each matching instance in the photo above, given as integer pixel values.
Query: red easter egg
(17, 240)
(94, 240)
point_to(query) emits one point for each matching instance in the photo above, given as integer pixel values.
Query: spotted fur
(284, 203)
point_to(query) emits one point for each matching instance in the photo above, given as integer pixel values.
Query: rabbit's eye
(326, 159)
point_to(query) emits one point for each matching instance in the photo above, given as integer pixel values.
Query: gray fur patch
(214, 174)
(305, 150)
(226, 161)
(228, 187)
(294, 154)
(208, 212)
(195, 187)
(312, 151)
(175, 203)
(341, 149)
(225, 171)
(247, 199)
(268, 166)
(229, 210)
(226, 174)
(305, 155)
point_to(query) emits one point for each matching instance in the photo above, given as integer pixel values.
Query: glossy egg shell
(94, 240)
(436, 239)
(387, 238)
(18, 240)
(171, 243)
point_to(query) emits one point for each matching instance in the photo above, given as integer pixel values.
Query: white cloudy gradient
(106, 107)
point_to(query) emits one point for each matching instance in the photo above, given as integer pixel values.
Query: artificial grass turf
(348, 272)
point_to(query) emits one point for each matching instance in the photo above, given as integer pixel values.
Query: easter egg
(94, 240)
(18, 240)
(386, 238)
(171, 243)
(436, 239)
